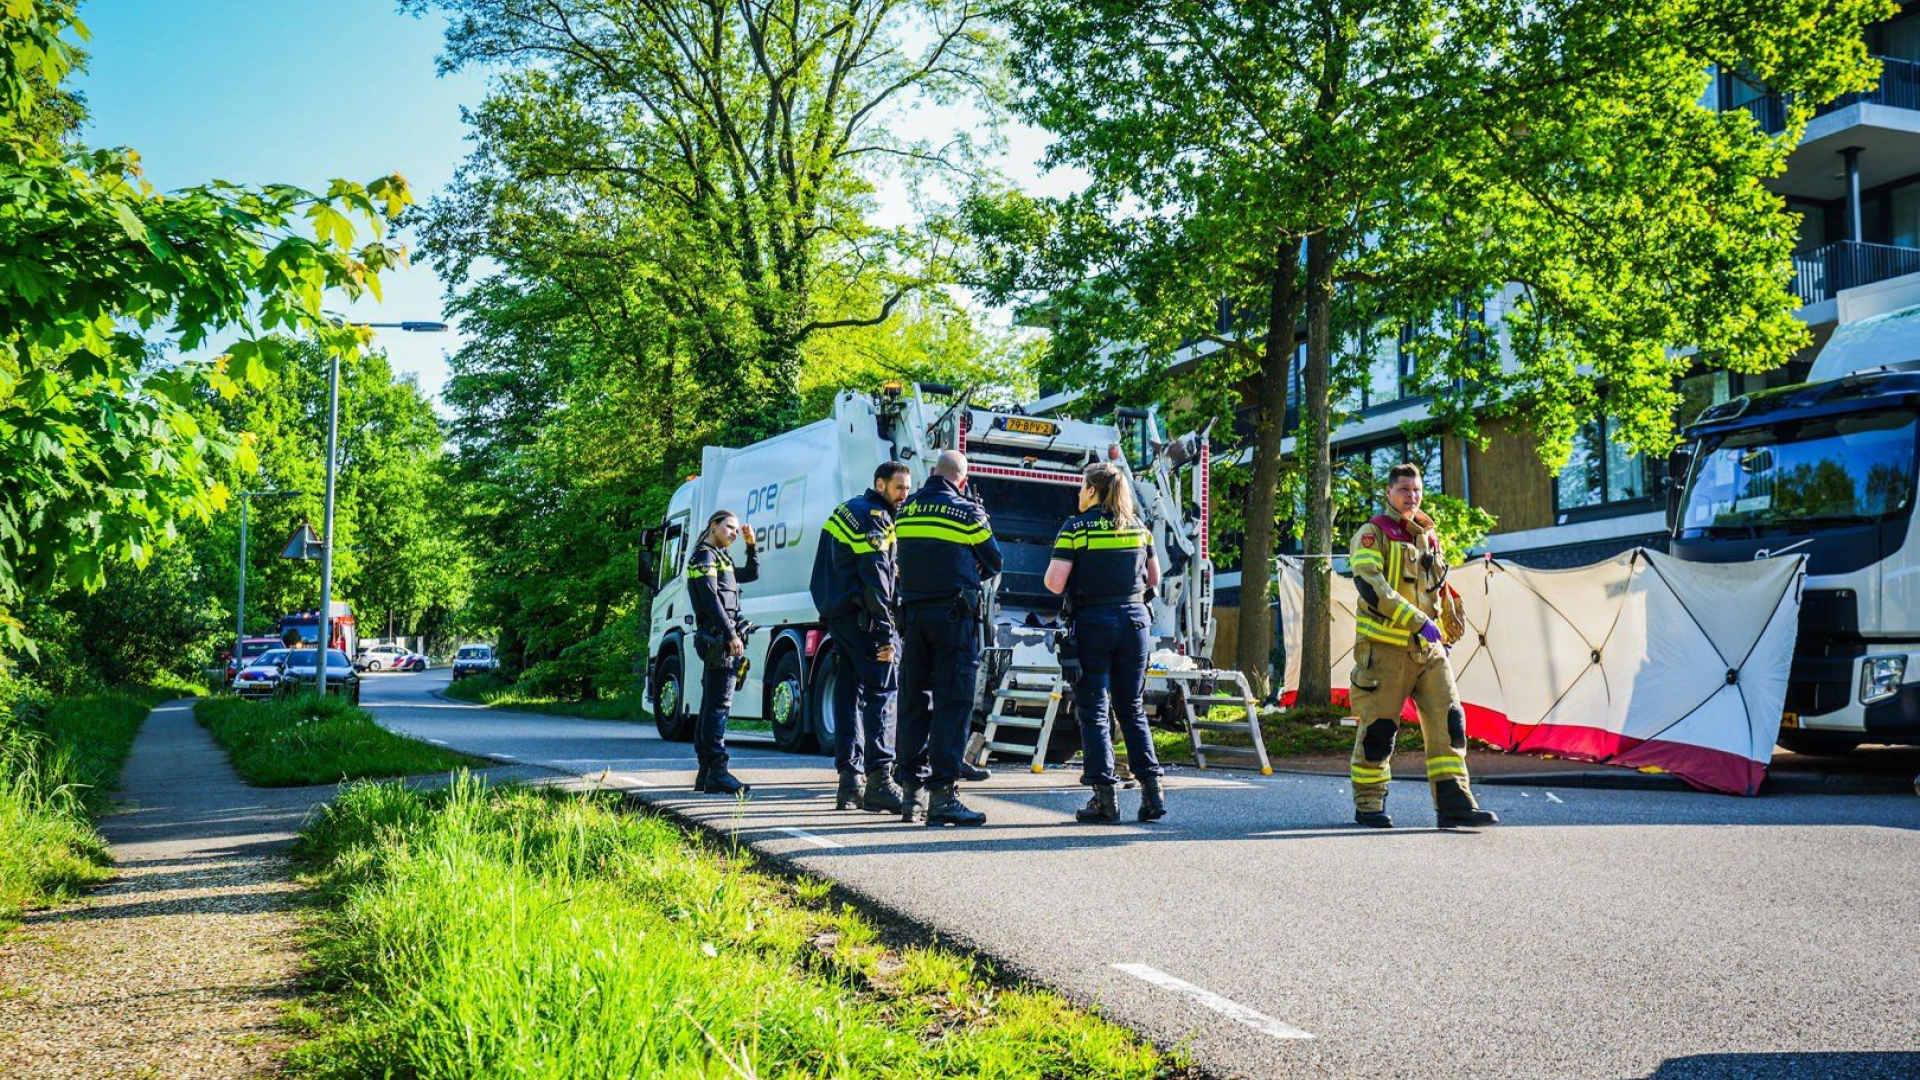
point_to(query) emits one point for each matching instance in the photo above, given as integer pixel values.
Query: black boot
(913, 803)
(722, 782)
(970, 771)
(945, 808)
(1372, 819)
(848, 797)
(1153, 799)
(881, 795)
(700, 779)
(1103, 807)
(1454, 807)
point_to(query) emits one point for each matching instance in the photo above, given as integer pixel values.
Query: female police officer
(713, 588)
(1103, 562)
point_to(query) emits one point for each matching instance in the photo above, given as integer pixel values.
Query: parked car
(389, 658)
(341, 678)
(251, 649)
(262, 676)
(474, 660)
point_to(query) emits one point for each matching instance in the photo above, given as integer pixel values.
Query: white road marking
(1551, 797)
(505, 757)
(1232, 1010)
(816, 841)
(629, 778)
(1524, 795)
(438, 742)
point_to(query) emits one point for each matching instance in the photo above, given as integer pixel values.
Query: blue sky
(267, 90)
(260, 91)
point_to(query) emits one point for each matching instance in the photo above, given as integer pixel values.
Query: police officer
(1400, 649)
(713, 588)
(853, 589)
(946, 547)
(1103, 562)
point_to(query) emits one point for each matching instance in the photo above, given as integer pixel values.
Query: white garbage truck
(1026, 470)
(1825, 469)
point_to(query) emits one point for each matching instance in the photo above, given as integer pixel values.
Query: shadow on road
(1862, 1065)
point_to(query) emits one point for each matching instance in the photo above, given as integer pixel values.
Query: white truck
(1825, 469)
(1026, 470)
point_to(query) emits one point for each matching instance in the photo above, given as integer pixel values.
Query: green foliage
(487, 932)
(60, 760)
(305, 739)
(104, 452)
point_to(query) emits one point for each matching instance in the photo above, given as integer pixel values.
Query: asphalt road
(1597, 935)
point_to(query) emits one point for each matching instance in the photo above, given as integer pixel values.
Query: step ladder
(1029, 707)
(1204, 690)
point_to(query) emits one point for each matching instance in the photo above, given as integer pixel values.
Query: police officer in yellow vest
(1400, 650)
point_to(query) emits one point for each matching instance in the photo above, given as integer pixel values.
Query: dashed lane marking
(802, 834)
(1551, 797)
(1232, 1010)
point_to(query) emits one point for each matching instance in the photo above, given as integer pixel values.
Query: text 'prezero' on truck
(1026, 470)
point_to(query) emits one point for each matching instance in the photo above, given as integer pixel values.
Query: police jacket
(713, 587)
(853, 569)
(1109, 562)
(944, 544)
(1401, 576)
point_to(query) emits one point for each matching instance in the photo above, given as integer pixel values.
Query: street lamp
(322, 632)
(240, 604)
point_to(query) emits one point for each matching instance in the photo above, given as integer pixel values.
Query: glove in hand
(1431, 632)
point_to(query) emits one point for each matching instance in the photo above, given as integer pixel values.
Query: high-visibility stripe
(1368, 774)
(1364, 558)
(1097, 542)
(840, 531)
(1446, 765)
(1380, 631)
(935, 529)
(703, 571)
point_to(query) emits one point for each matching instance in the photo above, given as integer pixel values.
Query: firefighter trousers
(1384, 676)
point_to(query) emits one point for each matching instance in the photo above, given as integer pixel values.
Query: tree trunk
(1255, 645)
(1316, 655)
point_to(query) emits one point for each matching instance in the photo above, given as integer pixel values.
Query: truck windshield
(1846, 470)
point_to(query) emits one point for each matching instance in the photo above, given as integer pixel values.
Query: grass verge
(60, 762)
(292, 742)
(482, 932)
(498, 693)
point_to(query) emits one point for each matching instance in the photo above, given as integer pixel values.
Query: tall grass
(292, 742)
(60, 761)
(479, 932)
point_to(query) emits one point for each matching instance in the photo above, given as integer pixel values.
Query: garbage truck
(1025, 468)
(1825, 469)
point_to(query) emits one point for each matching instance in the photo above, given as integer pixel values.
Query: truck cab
(1825, 470)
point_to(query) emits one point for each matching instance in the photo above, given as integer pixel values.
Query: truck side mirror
(1675, 482)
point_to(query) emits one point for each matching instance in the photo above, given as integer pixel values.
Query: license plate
(1791, 719)
(1025, 426)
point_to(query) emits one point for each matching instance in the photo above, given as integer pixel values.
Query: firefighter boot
(722, 782)
(848, 797)
(945, 808)
(1153, 799)
(1103, 807)
(881, 796)
(1374, 819)
(1455, 809)
(913, 803)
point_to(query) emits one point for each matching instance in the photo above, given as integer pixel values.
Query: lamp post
(240, 604)
(323, 631)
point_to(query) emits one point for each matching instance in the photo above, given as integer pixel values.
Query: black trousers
(939, 663)
(863, 696)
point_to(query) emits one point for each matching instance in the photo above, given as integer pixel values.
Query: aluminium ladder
(1210, 681)
(1026, 708)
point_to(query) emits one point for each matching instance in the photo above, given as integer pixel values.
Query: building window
(1602, 471)
(1369, 464)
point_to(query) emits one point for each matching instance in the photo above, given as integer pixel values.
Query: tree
(102, 454)
(1412, 156)
(743, 141)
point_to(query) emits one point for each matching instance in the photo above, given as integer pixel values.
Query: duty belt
(1082, 603)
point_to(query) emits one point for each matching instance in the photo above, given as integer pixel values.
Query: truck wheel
(820, 707)
(1828, 743)
(670, 698)
(787, 704)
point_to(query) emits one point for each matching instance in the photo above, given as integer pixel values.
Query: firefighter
(713, 588)
(1103, 563)
(1399, 649)
(945, 548)
(853, 589)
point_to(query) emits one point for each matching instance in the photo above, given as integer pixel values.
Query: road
(1597, 935)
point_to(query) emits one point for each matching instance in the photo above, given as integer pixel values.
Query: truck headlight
(1880, 677)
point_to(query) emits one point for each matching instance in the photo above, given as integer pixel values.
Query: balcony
(1899, 88)
(1824, 272)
